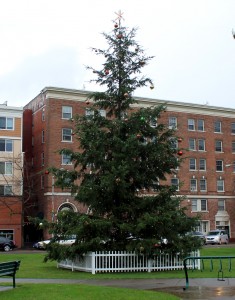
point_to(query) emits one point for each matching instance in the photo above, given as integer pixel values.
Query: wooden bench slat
(9, 269)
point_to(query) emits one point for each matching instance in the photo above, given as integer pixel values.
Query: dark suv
(6, 244)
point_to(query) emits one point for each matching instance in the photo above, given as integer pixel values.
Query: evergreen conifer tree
(121, 165)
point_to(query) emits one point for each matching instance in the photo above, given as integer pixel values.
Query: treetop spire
(119, 17)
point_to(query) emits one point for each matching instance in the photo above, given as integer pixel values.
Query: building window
(6, 190)
(199, 205)
(7, 233)
(172, 121)
(42, 181)
(175, 182)
(233, 128)
(66, 207)
(66, 159)
(191, 124)
(6, 123)
(233, 166)
(67, 135)
(6, 168)
(43, 114)
(203, 185)
(192, 144)
(43, 136)
(219, 165)
(233, 147)
(43, 158)
(201, 145)
(200, 125)
(218, 146)
(153, 123)
(192, 164)
(217, 126)
(174, 143)
(193, 185)
(220, 185)
(221, 205)
(89, 113)
(66, 112)
(6, 145)
(102, 113)
(202, 164)
(203, 226)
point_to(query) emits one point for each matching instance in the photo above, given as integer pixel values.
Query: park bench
(9, 269)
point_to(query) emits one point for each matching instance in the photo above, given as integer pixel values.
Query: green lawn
(81, 292)
(32, 266)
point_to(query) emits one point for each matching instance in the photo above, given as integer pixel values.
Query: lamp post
(52, 198)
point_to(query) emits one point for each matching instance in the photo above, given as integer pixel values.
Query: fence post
(149, 265)
(93, 267)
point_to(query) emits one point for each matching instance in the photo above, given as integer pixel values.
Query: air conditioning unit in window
(193, 189)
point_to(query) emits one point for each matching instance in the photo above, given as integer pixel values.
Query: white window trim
(64, 140)
(71, 114)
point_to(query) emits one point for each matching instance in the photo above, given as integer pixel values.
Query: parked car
(6, 244)
(41, 245)
(68, 241)
(199, 235)
(217, 237)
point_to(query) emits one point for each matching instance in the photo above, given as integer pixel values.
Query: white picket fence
(122, 261)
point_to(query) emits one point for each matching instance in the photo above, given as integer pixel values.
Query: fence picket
(122, 261)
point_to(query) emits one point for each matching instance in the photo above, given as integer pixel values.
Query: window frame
(203, 185)
(192, 162)
(200, 164)
(192, 142)
(219, 165)
(221, 206)
(232, 128)
(6, 165)
(69, 138)
(200, 127)
(176, 183)
(217, 127)
(43, 136)
(233, 147)
(7, 120)
(193, 184)
(67, 115)
(6, 144)
(198, 204)
(218, 148)
(172, 122)
(201, 145)
(65, 160)
(5, 192)
(191, 124)
(219, 185)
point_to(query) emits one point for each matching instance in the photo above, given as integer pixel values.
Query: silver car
(217, 237)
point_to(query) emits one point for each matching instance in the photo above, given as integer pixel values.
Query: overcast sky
(47, 43)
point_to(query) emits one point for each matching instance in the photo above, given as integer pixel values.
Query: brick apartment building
(206, 177)
(11, 166)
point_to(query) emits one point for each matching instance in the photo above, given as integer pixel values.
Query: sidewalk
(206, 289)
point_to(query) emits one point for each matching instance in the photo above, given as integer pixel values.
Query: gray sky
(46, 43)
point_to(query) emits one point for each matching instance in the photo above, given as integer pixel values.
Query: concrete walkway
(208, 288)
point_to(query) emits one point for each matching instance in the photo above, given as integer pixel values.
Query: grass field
(32, 266)
(81, 292)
